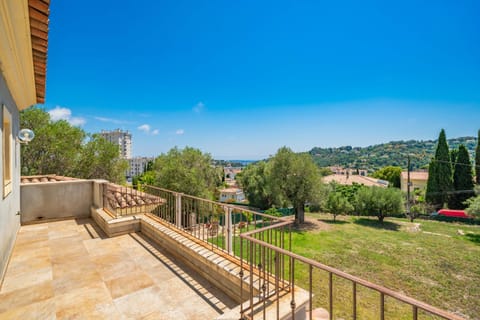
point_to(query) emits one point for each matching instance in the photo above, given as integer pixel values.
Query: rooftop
(415, 175)
(350, 179)
(69, 268)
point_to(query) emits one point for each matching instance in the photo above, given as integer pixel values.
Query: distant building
(348, 171)
(418, 180)
(138, 166)
(121, 138)
(232, 195)
(231, 172)
(348, 179)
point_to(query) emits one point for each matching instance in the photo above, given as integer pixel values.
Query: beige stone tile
(159, 274)
(44, 310)
(75, 280)
(29, 261)
(98, 247)
(23, 280)
(106, 311)
(114, 264)
(72, 264)
(142, 303)
(77, 302)
(25, 296)
(129, 283)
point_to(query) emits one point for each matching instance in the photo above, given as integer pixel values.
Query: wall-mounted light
(25, 136)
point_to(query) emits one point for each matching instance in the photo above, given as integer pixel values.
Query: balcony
(92, 249)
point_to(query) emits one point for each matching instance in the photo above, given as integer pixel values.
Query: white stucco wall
(10, 205)
(56, 200)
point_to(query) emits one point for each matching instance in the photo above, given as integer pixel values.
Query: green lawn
(435, 264)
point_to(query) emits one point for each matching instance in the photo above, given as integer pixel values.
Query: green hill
(393, 153)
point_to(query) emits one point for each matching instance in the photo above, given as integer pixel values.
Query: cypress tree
(462, 180)
(477, 160)
(440, 184)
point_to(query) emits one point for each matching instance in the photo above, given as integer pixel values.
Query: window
(7, 152)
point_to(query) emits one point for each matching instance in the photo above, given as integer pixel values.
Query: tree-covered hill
(393, 153)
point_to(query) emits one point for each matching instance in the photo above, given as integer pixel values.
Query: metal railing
(263, 244)
(281, 280)
(216, 224)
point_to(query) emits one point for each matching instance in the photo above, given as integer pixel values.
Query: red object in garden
(453, 213)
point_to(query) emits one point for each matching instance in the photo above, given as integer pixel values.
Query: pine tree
(462, 180)
(440, 184)
(477, 160)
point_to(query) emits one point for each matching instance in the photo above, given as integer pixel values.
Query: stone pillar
(228, 226)
(178, 210)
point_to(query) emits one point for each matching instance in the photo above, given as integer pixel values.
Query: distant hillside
(387, 154)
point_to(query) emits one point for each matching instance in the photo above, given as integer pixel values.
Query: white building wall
(10, 204)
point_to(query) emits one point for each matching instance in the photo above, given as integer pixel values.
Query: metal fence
(263, 244)
(276, 268)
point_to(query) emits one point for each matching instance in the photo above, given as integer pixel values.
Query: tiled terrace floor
(70, 270)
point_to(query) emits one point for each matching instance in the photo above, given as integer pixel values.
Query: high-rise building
(138, 165)
(121, 138)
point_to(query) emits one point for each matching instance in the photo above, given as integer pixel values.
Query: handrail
(383, 290)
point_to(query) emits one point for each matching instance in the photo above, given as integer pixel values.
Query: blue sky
(239, 79)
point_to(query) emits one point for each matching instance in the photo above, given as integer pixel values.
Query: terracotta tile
(25, 296)
(129, 283)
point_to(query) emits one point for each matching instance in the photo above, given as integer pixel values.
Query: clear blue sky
(239, 79)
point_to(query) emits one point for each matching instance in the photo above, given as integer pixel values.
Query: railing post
(178, 210)
(228, 225)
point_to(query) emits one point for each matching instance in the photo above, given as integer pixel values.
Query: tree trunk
(381, 217)
(299, 215)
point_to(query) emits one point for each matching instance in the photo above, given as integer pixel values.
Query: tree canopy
(477, 160)
(440, 184)
(296, 178)
(63, 149)
(286, 179)
(379, 201)
(338, 204)
(462, 180)
(390, 174)
(188, 171)
(255, 182)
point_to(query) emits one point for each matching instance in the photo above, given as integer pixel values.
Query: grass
(435, 264)
(431, 262)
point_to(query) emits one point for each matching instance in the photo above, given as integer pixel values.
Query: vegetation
(392, 153)
(390, 174)
(429, 261)
(254, 180)
(379, 201)
(63, 149)
(440, 184)
(338, 204)
(477, 160)
(188, 171)
(462, 180)
(296, 179)
(473, 206)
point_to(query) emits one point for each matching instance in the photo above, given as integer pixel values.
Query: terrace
(91, 249)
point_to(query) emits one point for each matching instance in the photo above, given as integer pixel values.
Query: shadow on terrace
(109, 251)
